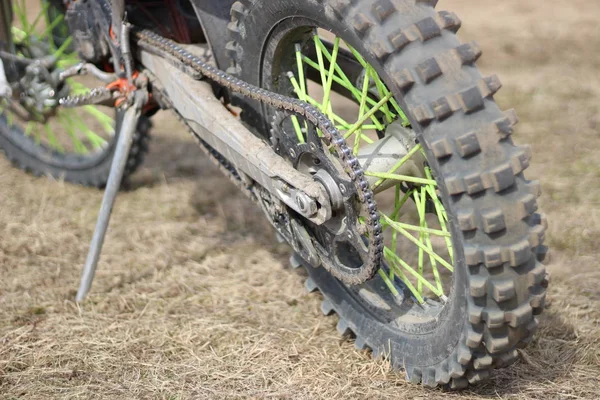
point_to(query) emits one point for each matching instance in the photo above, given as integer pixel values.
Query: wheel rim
(78, 134)
(414, 218)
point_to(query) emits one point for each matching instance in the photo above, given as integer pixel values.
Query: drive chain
(193, 65)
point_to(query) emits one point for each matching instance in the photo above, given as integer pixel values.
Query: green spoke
(29, 128)
(69, 127)
(106, 121)
(397, 261)
(365, 65)
(332, 64)
(400, 203)
(361, 113)
(336, 118)
(368, 115)
(19, 9)
(96, 141)
(37, 135)
(388, 282)
(421, 203)
(381, 90)
(439, 209)
(31, 28)
(357, 94)
(295, 121)
(52, 139)
(321, 67)
(397, 268)
(410, 237)
(366, 139)
(344, 125)
(394, 216)
(9, 119)
(358, 57)
(298, 129)
(63, 47)
(415, 228)
(51, 27)
(300, 90)
(421, 211)
(303, 93)
(399, 164)
(402, 178)
(345, 83)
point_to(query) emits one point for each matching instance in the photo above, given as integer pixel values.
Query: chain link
(94, 96)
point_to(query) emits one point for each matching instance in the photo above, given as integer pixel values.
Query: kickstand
(123, 146)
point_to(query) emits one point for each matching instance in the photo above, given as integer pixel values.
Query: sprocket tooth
(310, 285)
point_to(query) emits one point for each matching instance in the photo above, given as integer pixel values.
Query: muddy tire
(499, 285)
(39, 160)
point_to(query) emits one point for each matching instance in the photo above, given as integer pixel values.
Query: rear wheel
(460, 285)
(38, 135)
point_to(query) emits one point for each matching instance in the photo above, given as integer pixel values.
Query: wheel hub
(340, 244)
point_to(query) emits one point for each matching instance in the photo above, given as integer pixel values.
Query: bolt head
(301, 203)
(292, 153)
(343, 188)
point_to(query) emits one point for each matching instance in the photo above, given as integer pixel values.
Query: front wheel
(459, 286)
(37, 134)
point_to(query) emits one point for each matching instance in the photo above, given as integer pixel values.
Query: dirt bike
(361, 128)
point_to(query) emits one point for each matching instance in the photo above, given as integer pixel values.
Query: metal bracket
(84, 68)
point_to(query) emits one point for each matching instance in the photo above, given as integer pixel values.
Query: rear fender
(214, 15)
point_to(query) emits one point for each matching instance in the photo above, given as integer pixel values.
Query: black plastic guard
(214, 16)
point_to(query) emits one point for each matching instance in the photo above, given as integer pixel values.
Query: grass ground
(194, 300)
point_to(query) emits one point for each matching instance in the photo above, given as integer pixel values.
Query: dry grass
(193, 299)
